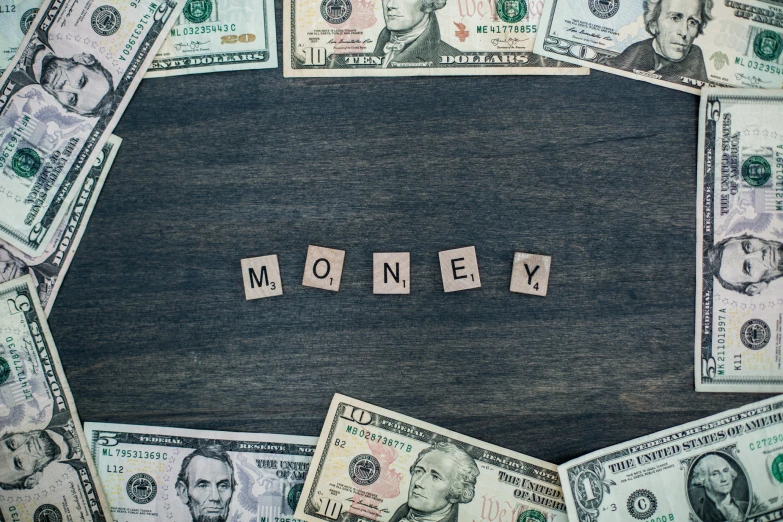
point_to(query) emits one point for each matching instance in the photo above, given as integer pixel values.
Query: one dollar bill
(219, 35)
(372, 464)
(60, 98)
(46, 473)
(414, 37)
(48, 270)
(681, 44)
(160, 474)
(739, 293)
(725, 468)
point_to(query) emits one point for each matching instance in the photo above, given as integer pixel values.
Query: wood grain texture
(598, 172)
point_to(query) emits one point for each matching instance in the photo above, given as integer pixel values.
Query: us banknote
(681, 44)
(725, 468)
(60, 98)
(152, 473)
(739, 252)
(49, 269)
(16, 16)
(414, 37)
(374, 464)
(46, 473)
(219, 35)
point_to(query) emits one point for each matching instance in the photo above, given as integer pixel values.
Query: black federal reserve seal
(27, 19)
(106, 20)
(755, 334)
(47, 513)
(604, 8)
(364, 469)
(141, 488)
(5, 370)
(197, 11)
(336, 11)
(642, 504)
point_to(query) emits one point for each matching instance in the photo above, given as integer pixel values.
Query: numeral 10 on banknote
(375, 464)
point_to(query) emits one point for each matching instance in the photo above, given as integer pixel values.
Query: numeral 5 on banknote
(739, 270)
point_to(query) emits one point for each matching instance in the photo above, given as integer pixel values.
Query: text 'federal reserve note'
(161, 474)
(46, 473)
(374, 464)
(680, 44)
(739, 290)
(725, 468)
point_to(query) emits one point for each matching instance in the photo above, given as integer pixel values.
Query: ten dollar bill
(375, 464)
(413, 37)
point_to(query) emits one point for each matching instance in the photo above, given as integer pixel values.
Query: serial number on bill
(203, 29)
(507, 29)
(134, 454)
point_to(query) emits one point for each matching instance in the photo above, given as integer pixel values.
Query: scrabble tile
(530, 274)
(391, 273)
(262, 277)
(459, 269)
(323, 268)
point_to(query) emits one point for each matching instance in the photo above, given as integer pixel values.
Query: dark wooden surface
(599, 172)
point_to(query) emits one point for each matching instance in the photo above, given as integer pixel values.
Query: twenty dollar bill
(725, 468)
(414, 37)
(219, 35)
(681, 44)
(373, 464)
(16, 18)
(61, 96)
(160, 474)
(739, 293)
(46, 472)
(49, 269)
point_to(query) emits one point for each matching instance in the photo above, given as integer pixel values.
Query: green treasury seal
(756, 171)
(511, 11)
(197, 11)
(768, 45)
(26, 163)
(777, 468)
(293, 496)
(531, 515)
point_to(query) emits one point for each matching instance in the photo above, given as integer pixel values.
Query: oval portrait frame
(696, 495)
